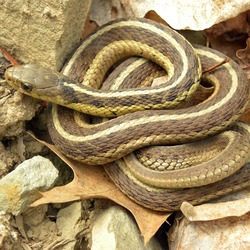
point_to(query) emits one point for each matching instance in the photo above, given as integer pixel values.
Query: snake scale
(147, 115)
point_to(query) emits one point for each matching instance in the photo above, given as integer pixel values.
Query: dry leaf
(215, 211)
(93, 182)
(243, 56)
(152, 15)
(245, 117)
(230, 35)
(89, 27)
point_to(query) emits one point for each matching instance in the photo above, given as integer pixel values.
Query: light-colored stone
(37, 225)
(115, 229)
(71, 225)
(220, 208)
(15, 109)
(9, 238)
(227, 233)
(194, 15)
(43, 32)
(20, 188)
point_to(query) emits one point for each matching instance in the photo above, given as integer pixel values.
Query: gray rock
(20, 188)
(47, 34)
(71, 225)
(9, 237)
(115, 229)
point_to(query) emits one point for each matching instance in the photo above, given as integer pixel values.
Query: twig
(226, 60)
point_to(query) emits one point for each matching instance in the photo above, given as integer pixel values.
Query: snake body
(141, 119)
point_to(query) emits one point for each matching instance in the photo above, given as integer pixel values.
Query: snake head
(36, 81)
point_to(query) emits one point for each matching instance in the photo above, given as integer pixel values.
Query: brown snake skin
(105, 142)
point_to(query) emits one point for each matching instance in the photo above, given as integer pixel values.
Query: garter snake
(141, 119)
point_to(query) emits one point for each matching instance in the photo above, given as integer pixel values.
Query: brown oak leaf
(93, 182)
(230, 36)
(243, 56)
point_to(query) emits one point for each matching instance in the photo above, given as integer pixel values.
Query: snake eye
(26, 87)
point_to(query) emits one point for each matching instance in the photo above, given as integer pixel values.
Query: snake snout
(19, 78)
(8, 74)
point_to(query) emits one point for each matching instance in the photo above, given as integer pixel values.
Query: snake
(146, 116)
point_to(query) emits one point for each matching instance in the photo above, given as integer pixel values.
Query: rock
(15, 109)
(224, 223)
(115, 229)
(196, 15)
(7, 160)
(46, 31)
(20, 188)
(9, 238)
(71, 225)
(36, 225)
(227, 233)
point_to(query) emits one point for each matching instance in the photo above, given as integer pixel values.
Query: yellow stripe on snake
(147, 115)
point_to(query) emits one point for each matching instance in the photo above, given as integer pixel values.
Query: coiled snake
(141, 119)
